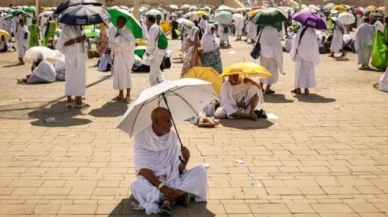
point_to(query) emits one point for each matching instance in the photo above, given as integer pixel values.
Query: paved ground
(326, 155)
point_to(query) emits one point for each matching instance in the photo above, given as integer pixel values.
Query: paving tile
(46, 209)
(332, 208)
(237, 208)
(77, 209)
(300, 208)
(363, 207)
(269, 208)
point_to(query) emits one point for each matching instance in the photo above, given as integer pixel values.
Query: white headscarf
(192, 33)
(209, 41)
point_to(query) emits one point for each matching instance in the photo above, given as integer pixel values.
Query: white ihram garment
(271, 56)
(383, 82)
(364, 43)
(337, 42)
(123, 51)
(160, 154)
(75, 83)
(157, 55)
(252, 30)
(239, 25)
(231, 94)
(45, 71)
(306, 56)
(21, 42)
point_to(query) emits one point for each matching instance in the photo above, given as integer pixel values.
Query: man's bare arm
(150, 176)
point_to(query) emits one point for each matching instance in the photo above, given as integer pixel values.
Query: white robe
(378, 26)
(251, 30)
(103, 63)
(60, 69)
(239, 25)
(364, 43)
(45, 71)
(21, 41)
(231, 94)
(306, 57)
(160, 154)
(123, 51)
(75, 84)
(203, 25)
(223, 36)
(383, 82)
(156, 76)
(271, 56)
(111, 33)
(337, 42)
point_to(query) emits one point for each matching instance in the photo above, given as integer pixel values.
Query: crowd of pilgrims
(200, 46)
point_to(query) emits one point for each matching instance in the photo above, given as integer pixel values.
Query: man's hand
(241, 104)
(185, 153)
(169, 192)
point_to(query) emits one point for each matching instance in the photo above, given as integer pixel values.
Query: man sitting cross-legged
(162, 178)
(240, 98)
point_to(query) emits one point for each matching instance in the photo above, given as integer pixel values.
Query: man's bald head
(161, 121)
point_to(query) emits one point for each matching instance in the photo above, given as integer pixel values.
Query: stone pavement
(326, 155)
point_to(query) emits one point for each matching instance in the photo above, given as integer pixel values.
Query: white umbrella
(185, 7)
(346, 18)
(188, 14)
(35, 52)
(184, 98)
(174, 7)
(223, 17)
(46, 13)
(185, 22)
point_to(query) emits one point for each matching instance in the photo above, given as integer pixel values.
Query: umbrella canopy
(34, 52)
(124, 7)
(30, 9)
(175, 7)
(184, 98)
(208, 74)
(131, 23)
(246, 68)
(166, 26)
(153, 12)
(143, 8)
(346, 18)
(46, 13)
(253, 13)
(185, 22)
(371, 8)
(224, 8)
(335, 19)
(310, 19)
(5, 34)
(269, 16)
(223, 17)
(47, 9)
(185, 7)
(84, 15)
(381, 9)
(340, 8)
(140, 50)
(200, 13)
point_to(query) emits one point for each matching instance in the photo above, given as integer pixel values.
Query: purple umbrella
(309, 19)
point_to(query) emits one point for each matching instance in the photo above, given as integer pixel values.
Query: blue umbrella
(309, 19)
(82, 15)
(64, 5)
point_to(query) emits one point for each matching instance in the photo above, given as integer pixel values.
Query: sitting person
(162, 177)
(205, 118)
(104, 64)
(42, 72)
(60, 70)
(3, 45)
(240, 98)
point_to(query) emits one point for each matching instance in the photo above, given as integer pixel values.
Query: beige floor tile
(269, 208)
(77, 209)
(363, 207)
(16, 209)
(332, 208)
(300, 208)
(237, 208)
(46, 209)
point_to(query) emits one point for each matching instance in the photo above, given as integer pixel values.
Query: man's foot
(183, 200)
(297, 91)
(306, 91)
(118, 98)
(127, 100)
(331, 55)
(269, 91)
(165, 209)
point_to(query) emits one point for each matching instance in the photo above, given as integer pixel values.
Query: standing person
(123, 52)
(251, 32)
(191, 48)
(174, 25)
(70, 43)
(103, 40)
(364, 43)
(305, 54)
(111, 34)
(239, 25)
(49, 32)
(34, 33)
(203, 24)
(337, 42)
(271, 56)
(153, 49)
(223, 32)
(211, 55)
(21, 34)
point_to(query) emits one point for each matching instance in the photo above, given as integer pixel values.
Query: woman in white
(70, 43)
(305, 54)
(123, 52)
(211, 55)
(191, 58)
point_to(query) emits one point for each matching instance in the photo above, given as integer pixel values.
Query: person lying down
(205, 118)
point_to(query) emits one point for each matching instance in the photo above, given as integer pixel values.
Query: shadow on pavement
(12, 65)
(124, 208)
(341, 59)
(313, 98)
(64, 117)
(110, 109)
(276, 98)
(246, 124)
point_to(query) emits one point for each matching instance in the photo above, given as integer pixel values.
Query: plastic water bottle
(49, 120)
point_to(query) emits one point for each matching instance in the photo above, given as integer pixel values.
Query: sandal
(296, 91)
(184, 200)
(83, 105)
(69, 105)
(118, 98)
(165, 210)
(127, 100)
(269, 92)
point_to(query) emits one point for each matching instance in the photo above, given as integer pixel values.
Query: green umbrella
(153, 12)
(269, 16)
(140, 51)
(131, 23)
(30, 9)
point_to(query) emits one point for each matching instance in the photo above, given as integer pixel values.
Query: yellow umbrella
(5, 34)
(200, 13)
(141, 42)
(371, 8)
(207, 74)
(246, 68)
(253, 13)
(381, 9)
(47, 9)
(340, 8)
(240, 9)
(166, 26)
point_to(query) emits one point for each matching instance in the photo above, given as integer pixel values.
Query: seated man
(162, 175)
(3, 44)
(104, 64)
(42, 72)
(240, 98)
(60, 69)
(205, 118)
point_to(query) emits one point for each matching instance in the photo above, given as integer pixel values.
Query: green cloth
(34, 35)
(330, 23)
(379, 54)
(50, 32)
(386, 35)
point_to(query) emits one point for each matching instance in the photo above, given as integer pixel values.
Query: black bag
(226, 29)
(255, 53)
